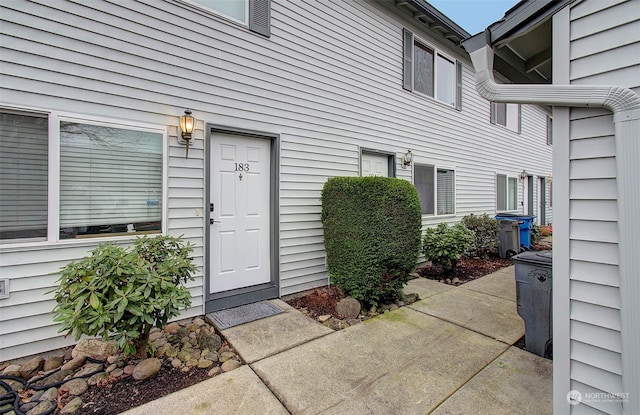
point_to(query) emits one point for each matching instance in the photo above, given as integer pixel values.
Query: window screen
(424, 182)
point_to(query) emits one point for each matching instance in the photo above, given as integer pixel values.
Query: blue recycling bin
(526, 224)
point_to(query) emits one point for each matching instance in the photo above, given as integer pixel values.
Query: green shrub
(444, 245)
(371, 235)
(120, 294)
(535, 234)
(486, 230)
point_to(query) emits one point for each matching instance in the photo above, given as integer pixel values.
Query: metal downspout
(625, 105)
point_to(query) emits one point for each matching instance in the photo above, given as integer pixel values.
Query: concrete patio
(449, 353)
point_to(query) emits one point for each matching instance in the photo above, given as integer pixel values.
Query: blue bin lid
(536, 257)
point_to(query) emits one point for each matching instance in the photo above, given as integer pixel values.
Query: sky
(473, 15)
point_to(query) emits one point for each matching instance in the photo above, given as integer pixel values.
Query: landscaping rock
(93, 380)
(53, 362)
(117, 372)
(209, 341)
(204, 363)
(155, 336)
(89, 368)
(215, 371)
(12, 370)
(176, 363)
(74, 363)
(324, 318)
(50, 394)
(230, 365)
(410, 298)
(95, 348)
(348, 307)
(76, 387)
(146, 369)
(72, 406)
(128, 369)
(172, 328)
(29, 369)
(55, 377)
(41, 408)
(227, 356)
(27, 407)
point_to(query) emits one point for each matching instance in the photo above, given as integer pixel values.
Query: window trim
(217, 13)
(409, 40)
(257, 15)
(435, 168)
(549, 130)
(493, 116)
(53, 187)
(507, 178)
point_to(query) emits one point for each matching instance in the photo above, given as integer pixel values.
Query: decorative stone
(72, 406)
(56, 377)
(29, 369)
(146, 369)
(213, 356)
(41, 408)
(410, 298)
(26, 407)
(184, 355)
(117, 372)
(215, 371)
(176, 362)
(76, 387)
(113, 359)
(128, 369)
(196, 354)
(230, 365)
(89, 368)
(14, 385)
(172, 352)
(50, 394)
(74, 363)
(455, 280)
(226, 356)
(209, 341)
(52, 362)
(111, 368)
(36, 396)
(324, 318)
(191, 363)
(93, 380)
(348, 307)
(12, 370)
(95, 348)
(172, 328)
(155, 336)
(204, 363)
(198, 322)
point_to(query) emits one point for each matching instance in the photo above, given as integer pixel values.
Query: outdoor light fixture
(523, 175)
(187, 123)
(407, 159)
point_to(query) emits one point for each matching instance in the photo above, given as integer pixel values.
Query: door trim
(245, 295)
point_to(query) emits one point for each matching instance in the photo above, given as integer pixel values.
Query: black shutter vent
(260, 17)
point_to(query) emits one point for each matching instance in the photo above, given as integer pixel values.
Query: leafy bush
(120, 294)
(486, 230)
(371, 235)
(444, 245)
(535, 233)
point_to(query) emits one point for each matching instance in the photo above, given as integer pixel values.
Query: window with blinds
(110, 180)
(507, 193)
(446, 192)
(23, 176)
(436, 188)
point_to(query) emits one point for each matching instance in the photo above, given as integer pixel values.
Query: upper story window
(108, 178)
(507, 115)
(254, 13)
(430, 72)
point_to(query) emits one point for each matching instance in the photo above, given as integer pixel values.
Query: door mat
(232, 317)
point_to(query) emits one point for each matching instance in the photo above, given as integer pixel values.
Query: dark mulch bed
(115, 397)
(319, 302)
(466, 270)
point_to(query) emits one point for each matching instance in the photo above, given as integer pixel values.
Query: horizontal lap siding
(328, 81)
(605, 49)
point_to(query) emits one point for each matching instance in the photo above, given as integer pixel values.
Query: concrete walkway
(449, 353)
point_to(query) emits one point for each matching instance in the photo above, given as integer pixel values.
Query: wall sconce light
(187, 123)
(550, 179)
(523, 175)
(407, 159)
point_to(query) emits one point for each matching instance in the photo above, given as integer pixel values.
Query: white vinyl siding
(328, 81)
(604, 49)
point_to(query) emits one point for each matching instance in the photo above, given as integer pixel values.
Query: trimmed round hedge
(372, 235)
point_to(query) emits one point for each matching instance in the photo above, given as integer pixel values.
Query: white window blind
(501, 190)
(446, 91)
(446, 192)
(110, 180)
(23, 176)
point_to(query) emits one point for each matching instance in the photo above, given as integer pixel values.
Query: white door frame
(246, 295)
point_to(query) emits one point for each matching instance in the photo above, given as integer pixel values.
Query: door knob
(211, 221)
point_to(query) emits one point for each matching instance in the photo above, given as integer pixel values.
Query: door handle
(211, 221)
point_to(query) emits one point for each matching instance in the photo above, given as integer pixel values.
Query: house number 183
(242, 166)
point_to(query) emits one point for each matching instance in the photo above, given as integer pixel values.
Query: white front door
(375, 164)
(240, 221)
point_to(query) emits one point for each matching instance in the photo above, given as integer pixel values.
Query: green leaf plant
(120, 293)
(444, 245)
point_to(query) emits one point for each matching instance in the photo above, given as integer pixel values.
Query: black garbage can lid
(536, 257)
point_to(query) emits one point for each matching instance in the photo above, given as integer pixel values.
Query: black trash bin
(533, 293)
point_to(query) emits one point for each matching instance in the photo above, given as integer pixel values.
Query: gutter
(625, 105)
